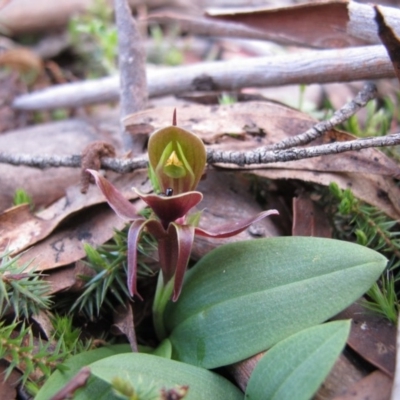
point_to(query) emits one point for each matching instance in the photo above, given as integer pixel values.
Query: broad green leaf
(295, 367)
(163, 350)
(59, 378)
(148, 371)
(242, 298)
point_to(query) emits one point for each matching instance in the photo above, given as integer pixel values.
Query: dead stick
(273, 156)
(132, 66)
(343, 114)
(306, 67)
(213, 156)
(74, 161)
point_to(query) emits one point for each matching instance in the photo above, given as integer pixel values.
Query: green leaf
(146, 371)
(295, 367)
(242, 298)
(71, 367)
(163, 350)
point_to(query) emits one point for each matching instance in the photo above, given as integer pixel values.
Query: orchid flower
(177, 160)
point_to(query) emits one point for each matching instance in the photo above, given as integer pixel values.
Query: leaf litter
(54, 234)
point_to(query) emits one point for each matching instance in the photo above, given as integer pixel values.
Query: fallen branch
(74, 161)
(132, 67)
(273, 156)
(306, 67)
(258, 156)
(343, 114)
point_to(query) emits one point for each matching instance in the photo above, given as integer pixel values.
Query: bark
(256, 157)
(132, 66)
(313, 66)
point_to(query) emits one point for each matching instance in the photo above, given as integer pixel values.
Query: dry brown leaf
(343, 375)
(21, 59)
(227, 198)
(316, 24)
(19, 228)
(373, 189)
(44, 323)
(309, 219)
(8, 388)
(69, 277)
(245, 126)
(65, 245)
(61, 279)
(124, 324)
(321, 24)
(242, 370)
(375, 386)
(20, 16)
(372, 336)
(300, 23)
(93, 226)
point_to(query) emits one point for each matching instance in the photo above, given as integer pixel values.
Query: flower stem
(161, 298)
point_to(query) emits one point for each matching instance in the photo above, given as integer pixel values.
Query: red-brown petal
(169, 209)
(122, 207)
(133, 239)
(185, 237)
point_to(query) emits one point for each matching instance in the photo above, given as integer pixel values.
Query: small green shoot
(22, 197)
(107, 286)
(377, 122)
(368, 226)
(36, 359)
(382, 298)
(302, 92)
(71, 336)
(226, 99)
(95, 37)
(164, 52)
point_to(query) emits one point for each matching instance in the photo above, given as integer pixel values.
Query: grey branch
(306, 67)
(363, 97)
(273, 156)
(74, 161)
(213, 156)
(132, 66)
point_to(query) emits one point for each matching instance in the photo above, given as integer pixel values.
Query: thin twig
(213, 156)
(343, 114)
(273, 156)
(56, 161)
